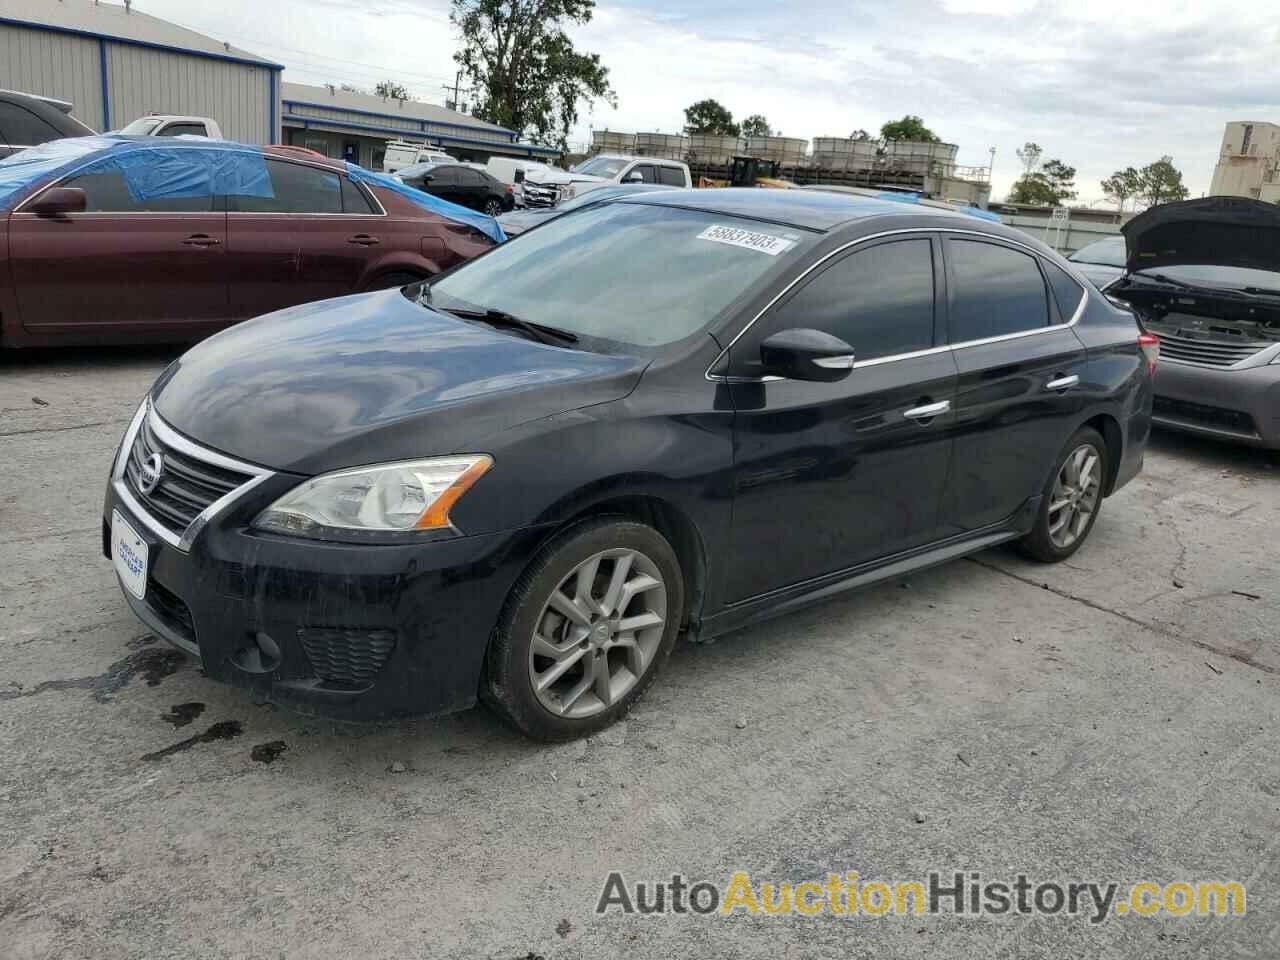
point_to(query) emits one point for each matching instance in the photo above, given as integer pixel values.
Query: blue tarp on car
(155, 168)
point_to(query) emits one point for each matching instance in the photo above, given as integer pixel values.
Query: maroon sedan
(86, 257)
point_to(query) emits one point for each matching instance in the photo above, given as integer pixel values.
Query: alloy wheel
(1075, 496)
(598, 633)
(493, 208)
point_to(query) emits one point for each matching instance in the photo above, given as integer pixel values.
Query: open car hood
(1216, 231)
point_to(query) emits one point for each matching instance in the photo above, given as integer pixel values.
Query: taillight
(1149, 343)
(508, 188)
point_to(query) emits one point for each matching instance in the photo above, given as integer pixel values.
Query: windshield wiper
(1262, 291)
(507, 321)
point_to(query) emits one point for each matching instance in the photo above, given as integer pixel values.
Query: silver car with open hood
(1204, 276)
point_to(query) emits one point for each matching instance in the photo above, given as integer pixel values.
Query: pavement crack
(73, 426)
(1235, 655)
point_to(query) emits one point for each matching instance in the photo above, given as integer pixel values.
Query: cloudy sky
(1098, 83)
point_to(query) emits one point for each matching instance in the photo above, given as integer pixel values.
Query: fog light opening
(260, 655)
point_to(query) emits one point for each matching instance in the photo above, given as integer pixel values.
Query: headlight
(387, 499)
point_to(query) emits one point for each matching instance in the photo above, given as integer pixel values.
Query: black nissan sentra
(671, 413)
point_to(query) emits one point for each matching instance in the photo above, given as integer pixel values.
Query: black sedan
(670, 413)
(460, 184)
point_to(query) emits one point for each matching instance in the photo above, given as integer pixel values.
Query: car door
(446, 184)
(832, 475)
(124, 263)
(1019, 364)
(298, 245)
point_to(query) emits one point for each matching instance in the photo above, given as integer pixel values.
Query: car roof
(811, 210)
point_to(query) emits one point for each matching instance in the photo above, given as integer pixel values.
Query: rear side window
(296, 189)
(107, 192)
(1065, 290)
(997, 291)
(470, 178)
(19, 127)
(671, 177)
(354, 199)
(879, 300)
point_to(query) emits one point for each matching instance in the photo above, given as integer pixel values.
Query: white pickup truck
(605, 168)
(172, 125)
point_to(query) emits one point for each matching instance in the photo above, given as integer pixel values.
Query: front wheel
(1071, 500)
(585, 629)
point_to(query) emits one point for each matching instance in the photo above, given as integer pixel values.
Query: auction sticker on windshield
(737, 237)
(129, 554)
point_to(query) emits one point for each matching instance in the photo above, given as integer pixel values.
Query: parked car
(699, 410)
(1101, 261)
(172, 125)
(518, 221)
(399, 154)
(460, 184)
(608, 168)
(532, 183)
(1204, 276)
(83, 259)
(27, 120)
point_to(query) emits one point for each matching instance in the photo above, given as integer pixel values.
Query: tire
(521, 682)
(493, 207)
(389, 280)
(1048, 541)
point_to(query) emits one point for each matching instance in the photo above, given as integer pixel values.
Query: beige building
(1248, 161)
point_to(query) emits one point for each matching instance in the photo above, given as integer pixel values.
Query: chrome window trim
(170, 437)
(893, 358)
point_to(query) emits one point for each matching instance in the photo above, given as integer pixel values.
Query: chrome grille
(187, 484)
(1211, 353)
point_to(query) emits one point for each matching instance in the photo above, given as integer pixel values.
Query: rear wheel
(493, 207)
(585, 629)
(1071, 499)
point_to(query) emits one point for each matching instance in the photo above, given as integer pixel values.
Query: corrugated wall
(53, 65)
(146, 81)
(412, 126)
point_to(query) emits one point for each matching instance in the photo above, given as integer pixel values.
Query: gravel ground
(1113, 718)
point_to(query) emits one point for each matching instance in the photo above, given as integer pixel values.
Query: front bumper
(1241, 405)
(353, 632)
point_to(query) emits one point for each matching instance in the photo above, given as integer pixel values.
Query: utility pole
(457, 91)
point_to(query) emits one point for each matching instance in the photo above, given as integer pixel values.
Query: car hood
(373, 378)
(1215, 231)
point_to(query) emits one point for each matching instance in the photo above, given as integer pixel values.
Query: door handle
(1062, 383)
(363, 240)
(928, 411)
(201, 240)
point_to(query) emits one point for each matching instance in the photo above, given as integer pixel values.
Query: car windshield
(607, 167)
(593, 197)
(625, 272)
(141, 127)
(1109, 252)
(1210, 275)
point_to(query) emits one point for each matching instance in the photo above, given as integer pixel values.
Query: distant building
(1248, 161)
(354, 126)
(116, 65)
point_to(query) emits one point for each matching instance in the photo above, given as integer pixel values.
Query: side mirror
(60, 201)
(519, 177)
(803, 354)
(633, 178)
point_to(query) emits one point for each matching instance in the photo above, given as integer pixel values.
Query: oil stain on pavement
(180, 714)
(223, 730)
(268, 752)
(152, 664)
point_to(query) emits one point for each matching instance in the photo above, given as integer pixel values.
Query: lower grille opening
(175, 613)
(1219, 418)
(349, 657)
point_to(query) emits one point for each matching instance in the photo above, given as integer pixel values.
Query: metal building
(116, 64)
(356, 126)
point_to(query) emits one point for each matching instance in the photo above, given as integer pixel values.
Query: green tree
(1050, 185)
(860, 135)
(909, 127)
(1161, 182)
(1122, 185)
(526, 73)
(709, 116)
(391, 90)
(756, 126)
(1061, 179)
(1029, 155)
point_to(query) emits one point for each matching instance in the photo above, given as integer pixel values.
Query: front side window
(997, 291)
(646, 172)
(107, 192)
(295, 188)
(671, 176)
(877, 299)
(627, 273)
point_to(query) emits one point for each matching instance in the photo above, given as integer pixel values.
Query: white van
(404, 153)
(534, 184)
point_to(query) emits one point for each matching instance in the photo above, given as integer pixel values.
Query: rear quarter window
(1066, 292)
